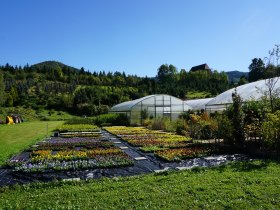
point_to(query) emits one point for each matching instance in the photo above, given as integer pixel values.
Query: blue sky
(137, 36)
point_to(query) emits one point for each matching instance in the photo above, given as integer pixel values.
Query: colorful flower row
(74, 140)
(80, 134)
(155, 137)
(97, 162)
(183, 153)
(122, 130)
(43, 155)
(149, 140)
(70, 145)
(159, 143)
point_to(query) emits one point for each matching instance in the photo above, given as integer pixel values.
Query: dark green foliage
(79, 120)
(111, 119)
(235, 76)
(257, 70)
(271, 130)
(2, 90)
(225, 128)
(53, 85)
(238, 120)
(101, 120)
(242, 81)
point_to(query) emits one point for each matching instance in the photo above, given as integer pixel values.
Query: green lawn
(247, 185)
(14, 138)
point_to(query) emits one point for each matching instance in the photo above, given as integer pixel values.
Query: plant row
(49, 160)
(73, 153)
(80, 134)
(67, 145)
(149, 140)
(184, 153)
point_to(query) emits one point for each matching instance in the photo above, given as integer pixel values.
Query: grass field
(198, 94)
(14, 138)
(247, 185)
(30, 115)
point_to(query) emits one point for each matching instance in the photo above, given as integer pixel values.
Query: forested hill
(54, 85)
(234, 76)
(49, 65)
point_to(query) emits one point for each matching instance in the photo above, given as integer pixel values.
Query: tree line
(53, 85)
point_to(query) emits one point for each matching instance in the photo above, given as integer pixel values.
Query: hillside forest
(53, 85)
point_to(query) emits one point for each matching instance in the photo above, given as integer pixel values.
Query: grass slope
(14, 138)
(247, 185)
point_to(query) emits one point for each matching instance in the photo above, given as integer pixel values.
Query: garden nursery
(83, 151)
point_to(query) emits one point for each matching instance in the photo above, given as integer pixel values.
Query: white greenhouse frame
(154, 106)
(247, 92)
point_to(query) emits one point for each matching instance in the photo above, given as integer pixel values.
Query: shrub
(79, 120)
(111, 119)
(271, 130)
(225, 128)
(181, 127)
(238, 120)
(158, 124)
(101, 120)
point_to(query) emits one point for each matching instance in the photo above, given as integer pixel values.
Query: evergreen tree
(2, 90)
(238, 120)
(257, 70)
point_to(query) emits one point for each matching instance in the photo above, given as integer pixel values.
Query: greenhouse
(152, 106)
(198, 104)
(251, 91)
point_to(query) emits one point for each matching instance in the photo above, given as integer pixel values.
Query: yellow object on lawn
(9, 120)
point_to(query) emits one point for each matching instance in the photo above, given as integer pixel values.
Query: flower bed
(56, 165)
(48, 160)
(149, 140)
(42, 155)
(155, 137)
(167, 146)
(66, 145)
(69, 152)
(183, 153)
(80, 134)
(162, 143)
(122, 130)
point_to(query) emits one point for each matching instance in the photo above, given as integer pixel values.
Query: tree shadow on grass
(246, 166)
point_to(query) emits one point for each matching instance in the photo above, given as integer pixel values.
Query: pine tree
(2, 90)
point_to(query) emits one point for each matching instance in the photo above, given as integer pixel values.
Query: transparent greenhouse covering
(198, 104)
(251, 91)
(152, 106)
(126, 106)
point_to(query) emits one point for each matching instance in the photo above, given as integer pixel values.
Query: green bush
(271, 130)
(111, 119)
(101, 120)
(158, 124)
(225, 128)
(79, 120)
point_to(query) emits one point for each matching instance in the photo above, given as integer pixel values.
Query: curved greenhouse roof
(251, 91)
(151, 107)
(198, 104)
(128, 105)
